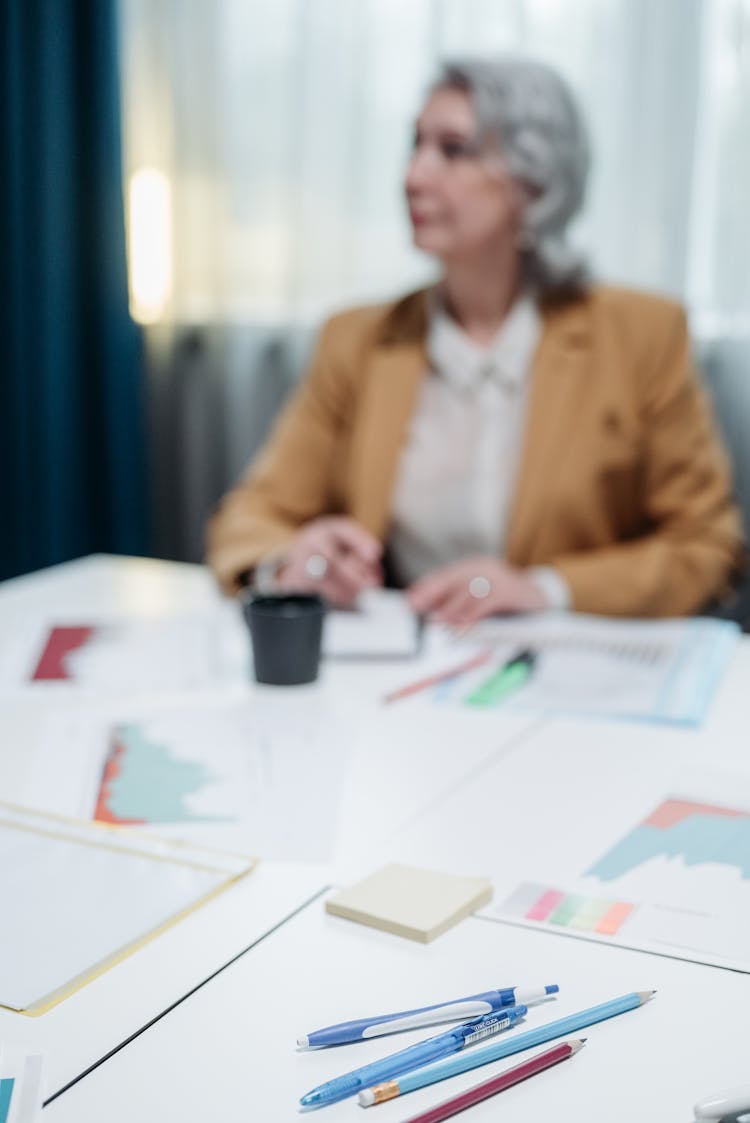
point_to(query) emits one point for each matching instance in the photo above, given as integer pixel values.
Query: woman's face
(462, 203)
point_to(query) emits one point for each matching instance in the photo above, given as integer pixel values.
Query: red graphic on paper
(61, 642)
(673, 811)
(112, 769)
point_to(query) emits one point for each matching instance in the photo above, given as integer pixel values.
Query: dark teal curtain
(71, 396)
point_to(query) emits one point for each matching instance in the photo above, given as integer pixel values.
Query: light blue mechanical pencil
(478, 1029)
(458, 1010)
(452, 1066)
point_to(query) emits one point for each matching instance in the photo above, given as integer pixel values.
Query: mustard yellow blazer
(623, 485)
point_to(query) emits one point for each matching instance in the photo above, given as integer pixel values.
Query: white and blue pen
(460, 1008)
(405, 1060)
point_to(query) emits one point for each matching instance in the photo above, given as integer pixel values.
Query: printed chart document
(78, 897)
(115, 654)
(380, 626)
(675, 880)
(636, 670)
(237, 775)
(21, 1085)
(119, 653)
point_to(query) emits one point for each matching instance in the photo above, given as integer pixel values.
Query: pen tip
(303, 1041)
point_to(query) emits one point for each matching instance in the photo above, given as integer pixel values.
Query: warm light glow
(150, 244)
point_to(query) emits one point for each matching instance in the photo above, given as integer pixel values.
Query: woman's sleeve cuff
(552, 585)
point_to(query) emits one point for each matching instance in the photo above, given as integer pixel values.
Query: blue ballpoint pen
(478, 1029)
(460, 1009)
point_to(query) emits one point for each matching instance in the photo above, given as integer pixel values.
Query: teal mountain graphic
(144, 783)
(697, 839)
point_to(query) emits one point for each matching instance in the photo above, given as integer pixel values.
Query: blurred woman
(511, 439)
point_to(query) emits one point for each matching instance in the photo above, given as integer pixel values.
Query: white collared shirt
(456, 476)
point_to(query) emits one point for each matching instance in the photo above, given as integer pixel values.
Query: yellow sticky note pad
(419, 904)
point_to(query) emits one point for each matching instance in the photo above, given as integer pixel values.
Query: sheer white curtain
(281, 129)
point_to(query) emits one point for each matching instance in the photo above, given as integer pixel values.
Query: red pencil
(499, 1083)
(440, 676)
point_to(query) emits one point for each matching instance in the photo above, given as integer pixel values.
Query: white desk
(436, 787)
(228, 1052)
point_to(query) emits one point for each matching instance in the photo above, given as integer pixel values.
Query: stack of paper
(416, 903)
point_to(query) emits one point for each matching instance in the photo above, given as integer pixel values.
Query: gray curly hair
(527, 110)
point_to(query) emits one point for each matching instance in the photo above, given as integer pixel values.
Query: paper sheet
(382, 626)
(262, 776)
(665, 671)
(675, 882)
(115, 654)
(21, 1086)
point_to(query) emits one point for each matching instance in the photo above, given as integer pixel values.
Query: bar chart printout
(677, 883)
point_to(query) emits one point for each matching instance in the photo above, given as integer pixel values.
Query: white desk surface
(82, 1029)
(227, 1051)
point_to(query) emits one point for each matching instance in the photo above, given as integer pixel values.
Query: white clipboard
(77, 897)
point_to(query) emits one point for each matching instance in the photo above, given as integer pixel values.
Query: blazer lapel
(394, 375)
(561, 372)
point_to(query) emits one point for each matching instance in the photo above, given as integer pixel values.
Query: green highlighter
(507, 679)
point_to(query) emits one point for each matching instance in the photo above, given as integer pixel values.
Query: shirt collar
(466, 365)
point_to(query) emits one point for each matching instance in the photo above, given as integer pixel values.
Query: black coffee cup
(286, 631)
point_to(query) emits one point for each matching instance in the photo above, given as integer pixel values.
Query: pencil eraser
(366, 1098)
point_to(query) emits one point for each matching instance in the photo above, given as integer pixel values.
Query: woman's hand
(333, 556)
(480, 586)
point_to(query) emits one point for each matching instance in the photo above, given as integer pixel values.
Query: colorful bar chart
(548, 905)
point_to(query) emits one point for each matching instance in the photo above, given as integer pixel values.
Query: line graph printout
(677, 883)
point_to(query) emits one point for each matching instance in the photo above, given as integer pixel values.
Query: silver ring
(480, 587)
(316, 567)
